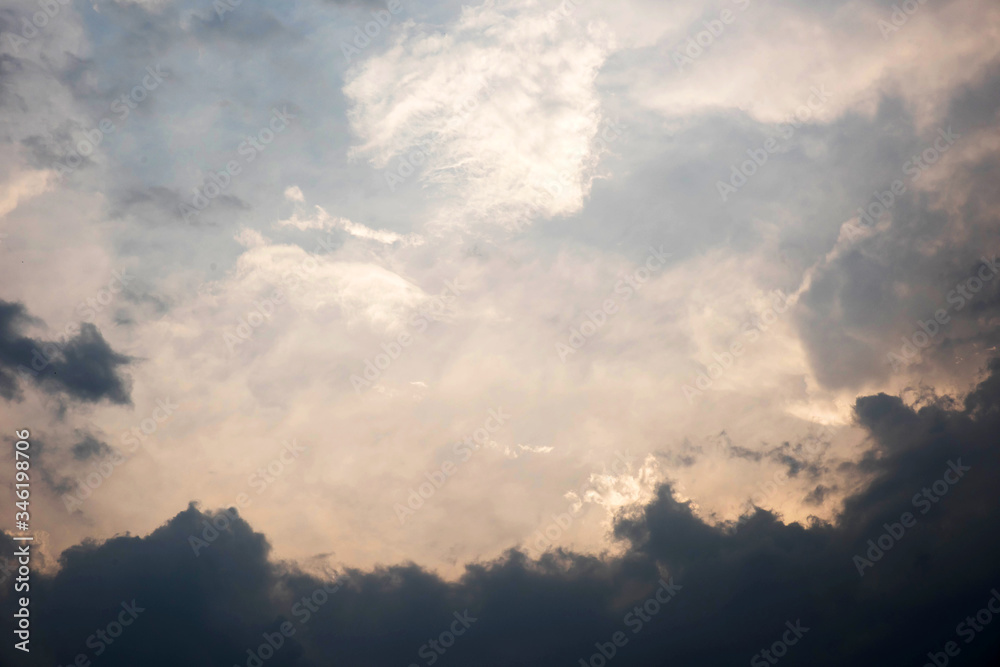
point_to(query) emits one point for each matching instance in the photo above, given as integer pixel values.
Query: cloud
(502, 111)
(928, 253)
(83, 367)
(767, 58)
(320, 219)
(27, 185)
(90, 447)
(163, 205)
(497, 112)
(738, 588)
(364, 292)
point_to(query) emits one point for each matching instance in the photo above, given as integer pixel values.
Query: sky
(522, 309)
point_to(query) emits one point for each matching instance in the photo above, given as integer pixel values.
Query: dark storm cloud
(793, 458)
(684, 456)
(818, 494)
(738, 588)
(83, 367)
(90, 447)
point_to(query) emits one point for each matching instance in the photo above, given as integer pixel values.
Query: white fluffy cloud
(497, 112)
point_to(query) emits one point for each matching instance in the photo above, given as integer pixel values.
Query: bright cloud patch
(319, 219)
(498, 114)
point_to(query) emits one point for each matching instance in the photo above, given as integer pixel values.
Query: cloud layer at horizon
(726, 591)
